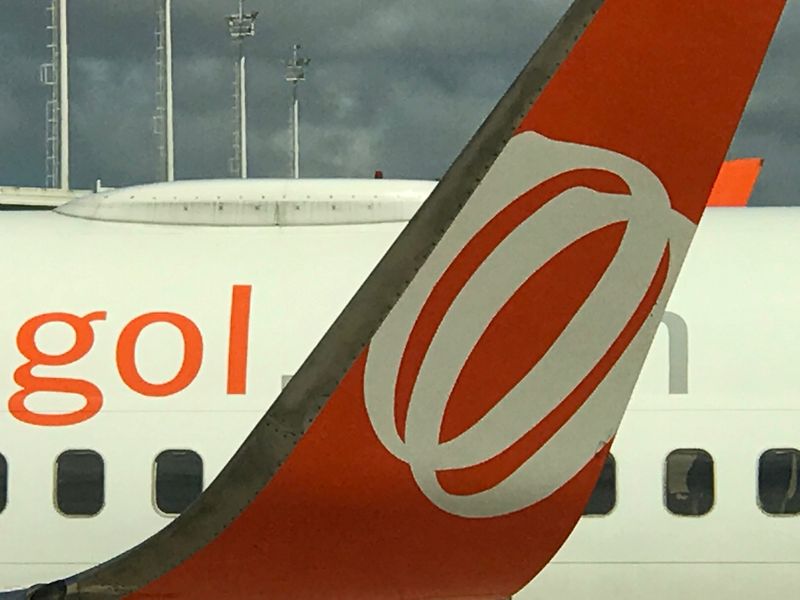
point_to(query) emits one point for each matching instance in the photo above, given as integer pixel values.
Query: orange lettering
(238, 339)
(192, 354)
(31, 384)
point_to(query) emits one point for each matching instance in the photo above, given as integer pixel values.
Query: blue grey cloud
(396, 85)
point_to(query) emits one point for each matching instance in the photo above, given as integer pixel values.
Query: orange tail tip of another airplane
(735, 182)
(444, 436)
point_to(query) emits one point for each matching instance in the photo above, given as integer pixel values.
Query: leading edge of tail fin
(443, 438)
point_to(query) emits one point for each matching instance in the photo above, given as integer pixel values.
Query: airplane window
(778, 472)
(604, 496)
(80, 483)
(3, 482)
(689, 482)
(178, 480)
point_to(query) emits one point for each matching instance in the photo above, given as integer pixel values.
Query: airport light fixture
(242, 25)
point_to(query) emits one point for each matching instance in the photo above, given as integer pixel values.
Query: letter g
(31, 384)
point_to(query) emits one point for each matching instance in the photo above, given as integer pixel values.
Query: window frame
(4, 483)
(154, 479)
(615, 464)
(665, 487)
(55, 484)
(758, 486)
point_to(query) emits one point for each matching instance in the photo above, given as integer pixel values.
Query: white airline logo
(652, 227)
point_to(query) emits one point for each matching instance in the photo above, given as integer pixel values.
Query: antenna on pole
(163, 124)
(55, 74)
(295, 73)
(240, 27)
(48, 75)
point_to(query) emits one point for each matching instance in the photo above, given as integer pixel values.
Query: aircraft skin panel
(256, 202)
(736, 293)
(379, 518)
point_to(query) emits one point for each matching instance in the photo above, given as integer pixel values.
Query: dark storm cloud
(397, 85)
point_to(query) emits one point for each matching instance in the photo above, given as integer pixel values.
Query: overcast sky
(396, 85)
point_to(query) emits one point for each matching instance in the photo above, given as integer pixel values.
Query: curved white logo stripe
(651, 226)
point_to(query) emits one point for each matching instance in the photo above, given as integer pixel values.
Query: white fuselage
(738, 295)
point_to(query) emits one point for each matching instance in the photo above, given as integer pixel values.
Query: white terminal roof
(37, 197)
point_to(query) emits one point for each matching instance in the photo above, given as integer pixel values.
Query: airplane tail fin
(735, 182)
(443, 438)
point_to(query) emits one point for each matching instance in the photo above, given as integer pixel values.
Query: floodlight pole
(170, 110)
(295, 132)
(63, 92)
(48, 75)
(242, 111)
(240, 27)
(295, 73)
(164, 126)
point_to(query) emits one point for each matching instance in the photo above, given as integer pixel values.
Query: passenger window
(689, 482)
(778, 482)
(178, 480)
(80, 483)
(3, 482)
(604, 496)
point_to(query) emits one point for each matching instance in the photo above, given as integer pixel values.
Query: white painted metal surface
(37, 197)
(738, 294)
(268, 202)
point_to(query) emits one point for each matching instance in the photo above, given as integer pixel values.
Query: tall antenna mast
(240, 27)
(56, 75)
(295, 73)
(163, 124)
(48, 74)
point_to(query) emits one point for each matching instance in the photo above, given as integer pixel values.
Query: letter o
(192, 354)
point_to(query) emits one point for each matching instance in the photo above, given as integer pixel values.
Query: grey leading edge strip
(275, 436)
